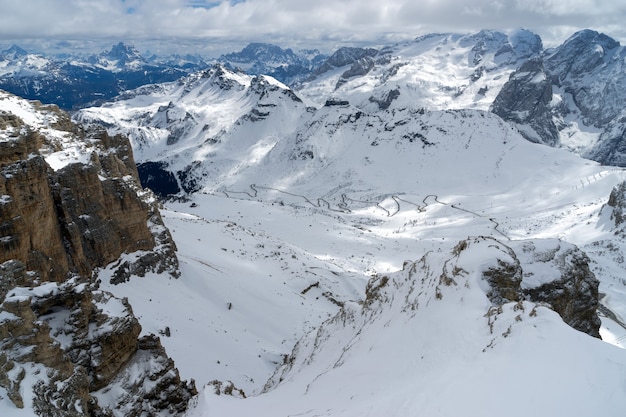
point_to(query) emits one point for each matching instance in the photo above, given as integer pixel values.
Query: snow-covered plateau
(376, 243)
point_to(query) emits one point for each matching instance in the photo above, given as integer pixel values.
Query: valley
(403, 231)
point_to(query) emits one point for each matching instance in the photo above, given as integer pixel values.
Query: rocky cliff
(617, 207)
(525, 100)
(492, 287)
(70, 203)
(572, 96)
(70, 200)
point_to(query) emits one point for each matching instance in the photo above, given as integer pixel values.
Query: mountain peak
(14, 51)
(591, 37)
(258, 51)
(285, 65)
(525, 42)
(124, 53)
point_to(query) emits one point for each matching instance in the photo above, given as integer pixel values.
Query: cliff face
(70, 200)
(68, 349)
(569, 91)
(70, 203)
(525, 100)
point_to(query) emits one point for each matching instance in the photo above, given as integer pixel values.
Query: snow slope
(436, 72)
(299, 208)
(246, 250)
(417, 346)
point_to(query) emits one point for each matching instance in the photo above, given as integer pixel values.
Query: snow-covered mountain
(286, 65)
(74, 82)
(427, 340)
(572, 96)
(436, 72)
(120, 57)
(376, 242)
(176, 126)
(308, 214)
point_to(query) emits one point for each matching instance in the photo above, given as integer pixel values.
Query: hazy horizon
(212, 27)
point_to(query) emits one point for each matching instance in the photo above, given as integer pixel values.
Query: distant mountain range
(285, 65)
(569, 96)
(75, 82)
(558, 103)
(388, 231)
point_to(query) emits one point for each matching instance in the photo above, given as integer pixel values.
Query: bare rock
(525, 100)
(30, 229)
(60, 223)
(81, 346)
(617, 202)
(557, 273)
(79, 217)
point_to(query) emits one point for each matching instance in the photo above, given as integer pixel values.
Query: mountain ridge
(76, 82)
(582, 98)
(375, 242)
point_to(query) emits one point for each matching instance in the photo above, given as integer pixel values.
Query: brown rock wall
(57, 228)
(29, 228)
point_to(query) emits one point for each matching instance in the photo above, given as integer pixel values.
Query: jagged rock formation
(572, 96)
(506, 284)
(79, 216)
(587, 67)
(120, 56)
(347, 56)
(500, 48)
(542, 271)
(286, 65)
(617, 204)
(610, 149)
(70, 204)
(525, 100)
(567, 285)
(85, 344)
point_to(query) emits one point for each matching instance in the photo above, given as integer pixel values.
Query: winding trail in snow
(496, 225)
(321, 202)
(343, 206)
(608, 313)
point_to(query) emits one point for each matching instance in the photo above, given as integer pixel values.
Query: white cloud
(290, 22)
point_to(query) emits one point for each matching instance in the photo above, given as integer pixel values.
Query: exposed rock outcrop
(571, 91)
(557, 273)
(610, 149)
(85, 344)
(359, 67)
(345, 56)
(70, 204)
(617, 205)
(84, 212)
(589, 67)
(525, 100)
(541, 271)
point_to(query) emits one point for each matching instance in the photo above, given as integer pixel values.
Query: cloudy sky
(215, 26)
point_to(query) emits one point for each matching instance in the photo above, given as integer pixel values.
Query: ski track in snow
(379, 233)
(265, 264)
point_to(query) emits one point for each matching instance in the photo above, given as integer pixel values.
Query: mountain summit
(120, 57)
(13, 52)
(572, 96)
(285, 65)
